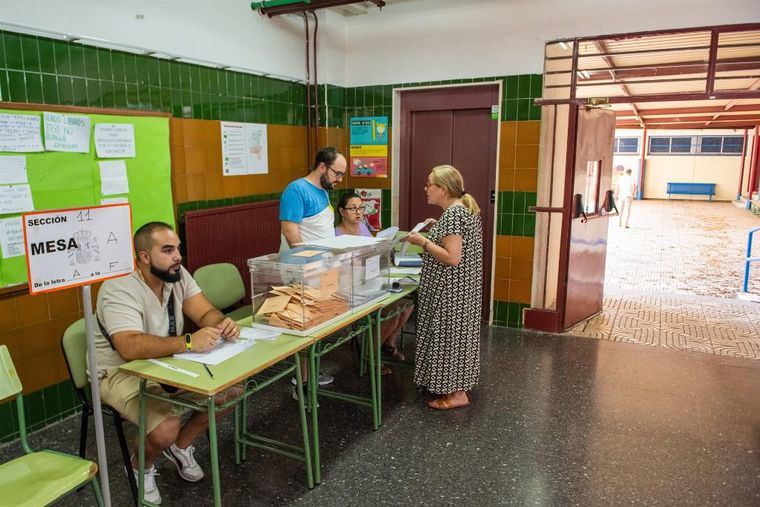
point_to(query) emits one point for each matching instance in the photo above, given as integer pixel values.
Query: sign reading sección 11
(79, 246)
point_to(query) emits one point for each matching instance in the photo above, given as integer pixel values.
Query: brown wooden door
(588, 238)
(450, 126)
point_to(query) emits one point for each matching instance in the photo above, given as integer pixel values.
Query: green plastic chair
(38, 478)
(223, 287)
(74, 345)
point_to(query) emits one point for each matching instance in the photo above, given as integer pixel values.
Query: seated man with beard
(141, 316)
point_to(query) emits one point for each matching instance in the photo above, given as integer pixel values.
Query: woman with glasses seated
(351, 209)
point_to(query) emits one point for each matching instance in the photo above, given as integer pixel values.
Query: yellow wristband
(188, 341)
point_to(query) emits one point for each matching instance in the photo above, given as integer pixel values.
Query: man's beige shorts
(122, 392)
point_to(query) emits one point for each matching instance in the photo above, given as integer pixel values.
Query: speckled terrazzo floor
(556, 420)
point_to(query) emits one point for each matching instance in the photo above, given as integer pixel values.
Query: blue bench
(691, 189)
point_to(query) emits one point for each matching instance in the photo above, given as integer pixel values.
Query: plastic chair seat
(42, 477)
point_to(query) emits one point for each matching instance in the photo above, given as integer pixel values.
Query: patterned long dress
(449, 311)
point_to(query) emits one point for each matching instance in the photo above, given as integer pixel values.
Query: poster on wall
(67, 132)
(369, 146)
(244, 148)
(371, 199)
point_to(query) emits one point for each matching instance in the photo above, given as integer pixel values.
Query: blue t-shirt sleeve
(292, 205)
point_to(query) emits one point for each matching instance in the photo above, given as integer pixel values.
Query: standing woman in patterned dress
(448, 324)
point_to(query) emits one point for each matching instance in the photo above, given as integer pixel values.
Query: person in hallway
(449, 296)
(306, 213)
(351, 211)
(141, 316)
(625, 189)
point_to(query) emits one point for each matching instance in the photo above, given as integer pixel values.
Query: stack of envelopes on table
(298, 307)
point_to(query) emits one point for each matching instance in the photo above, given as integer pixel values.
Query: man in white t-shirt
(142, 316)
(625, 189)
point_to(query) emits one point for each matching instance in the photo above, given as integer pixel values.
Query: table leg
(379, 371)
(141, 447)
(304, 425)
(313, 376)
(372, 375)
(211, 409)
(237, 432)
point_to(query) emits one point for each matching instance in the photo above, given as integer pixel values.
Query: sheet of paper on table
(405, 271)
(227, 349)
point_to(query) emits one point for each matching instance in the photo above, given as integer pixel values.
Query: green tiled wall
(518, 93)
(48, 71)
(508, 314)
(513, 216)
(42, 407)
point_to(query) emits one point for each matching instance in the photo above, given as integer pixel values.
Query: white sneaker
(323, 379)
(151, 489)
(188, 468)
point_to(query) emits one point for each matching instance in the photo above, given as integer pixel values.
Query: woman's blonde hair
(450, 180)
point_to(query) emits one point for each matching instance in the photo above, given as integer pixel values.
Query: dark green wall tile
(12, 48)
(536, 84)
(62, 58)
(130, 68)
(30, 53)
(33, 87)
(105, 69)
(49, 89)
(65, 91)
(47, 56)
(117, 67)
(16, 86)
(512, 87)
(94, 95)
(76, 58)
(91, 63)
(79, 91)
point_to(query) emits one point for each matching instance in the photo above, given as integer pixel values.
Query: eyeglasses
(428, 185)
(338, 175)
(356, 209)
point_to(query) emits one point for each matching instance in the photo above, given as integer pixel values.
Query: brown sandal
(394, 353)
(384, 370)
(443, 403)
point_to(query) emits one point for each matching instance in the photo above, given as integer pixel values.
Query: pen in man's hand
(208, 370)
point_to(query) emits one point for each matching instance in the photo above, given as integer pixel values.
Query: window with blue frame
(677, 145)
(721, 145)
(626, 145)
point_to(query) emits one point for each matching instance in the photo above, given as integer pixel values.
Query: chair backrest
(74, 344)
(10, 384)
(221, 284)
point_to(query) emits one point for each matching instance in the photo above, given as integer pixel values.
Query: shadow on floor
(555, 420)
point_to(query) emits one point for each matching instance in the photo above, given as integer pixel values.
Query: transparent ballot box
(371, 273)
(300, 290)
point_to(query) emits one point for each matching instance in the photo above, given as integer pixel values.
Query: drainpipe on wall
(644, 142)
(741, 168)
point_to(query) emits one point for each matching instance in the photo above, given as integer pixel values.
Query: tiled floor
(555, 420)
(677, 321)
(672, 280)
(682, 247)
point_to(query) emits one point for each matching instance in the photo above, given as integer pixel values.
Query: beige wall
(723, 170)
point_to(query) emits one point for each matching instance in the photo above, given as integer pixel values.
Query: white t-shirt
(625, 186)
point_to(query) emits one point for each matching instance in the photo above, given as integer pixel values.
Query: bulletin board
(67, 180)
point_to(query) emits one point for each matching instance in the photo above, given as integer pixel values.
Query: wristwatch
(188, 341)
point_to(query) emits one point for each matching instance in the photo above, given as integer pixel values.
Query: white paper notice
(67, 132)
(11, 237)
(114, 140)
(66, 248)
(113, 177)
(372, 267)
(13, 170)
(114, 200)
(15, 199)
(244, 148)
(20, 132)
